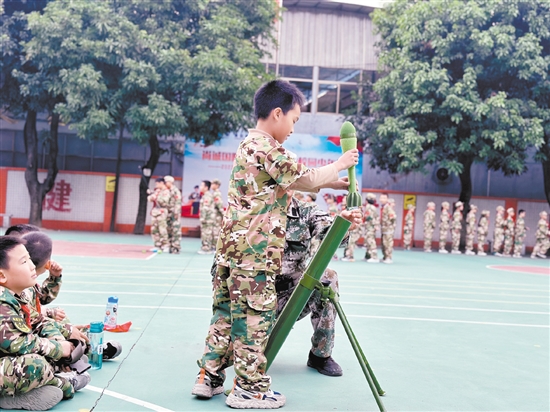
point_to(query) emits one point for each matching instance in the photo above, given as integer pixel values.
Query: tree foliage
(460, 85)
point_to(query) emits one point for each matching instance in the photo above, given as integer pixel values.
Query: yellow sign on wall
(110, 183)
(409, 200)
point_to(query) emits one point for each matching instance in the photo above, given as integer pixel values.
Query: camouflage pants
(481, 237)
(159, 230)
(323, 315)
(455, 238)
(216, 230)
(370, 243)
(244, 309)
(470, 239)
(541, 246)
(518, 244)
(498, 239)
(428, 236)
(508, 242)
(387, 245)
(443, 234)
(21, 374)
(208, 241)
(407, 237)
(354, 236)
(174, 232)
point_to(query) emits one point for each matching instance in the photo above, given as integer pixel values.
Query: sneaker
(533, 257)
(540, 255)
(481, 254)
(443, 251)
(240, 398)
(39, 399)
(498, 254)
(203, 252)
(373, 260)
(335, 257)
(506, 256)
(348, 259)
(111, 350)
(470, 253)
(456, 252)
(203, 386)
(387, 261)
(428, 251)
(166, 250)
(325, 366)
(78, 381)
(517, 256)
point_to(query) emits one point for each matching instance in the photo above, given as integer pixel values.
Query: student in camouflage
(429, 226)
(542, 243)
(498, 235)
(250, 247)
(444, 226)
(482, 232)
(207, 213)
(389, 221)
(456, 228)
(520, 232)
(371, 225)
(159, 215)
(409, 227)
(174, 216)
(508, 232)
(218, 207)
(471, 230)
(29, 346)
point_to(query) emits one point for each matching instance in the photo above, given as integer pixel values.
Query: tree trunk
(117, 179)
(37, 191)
(466, 182)
(151, 164)
(546, 169)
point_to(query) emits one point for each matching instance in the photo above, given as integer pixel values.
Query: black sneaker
(325, 366)
(111, 349)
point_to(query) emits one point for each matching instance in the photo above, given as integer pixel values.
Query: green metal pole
(303, 291)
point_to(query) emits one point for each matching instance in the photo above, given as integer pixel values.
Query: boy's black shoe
(326, 366)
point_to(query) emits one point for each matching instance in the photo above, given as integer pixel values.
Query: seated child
(28, 345)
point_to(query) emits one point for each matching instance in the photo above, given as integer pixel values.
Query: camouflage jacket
(483, 226)
(429, 219)
(499, 222)
(253, 229)
(509, 226)
(389, 219)
(444, 219)
(372, 220)
(174, 205)
(305, 221)
(21, 333)
(520, 227)
(161, 201)
(470, 221)
(542, 229)
(45, 293)
(457, 219)
(409, 219)
(207, 209)
(218, 204)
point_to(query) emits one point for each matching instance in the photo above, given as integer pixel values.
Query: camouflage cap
(410, 206)
(445, 204)
(543, 213)
(431, 204)
(485, 212)
(510, 210)
(168, 178)
(473, 207)
(370, 196)
(500, 208)
(313, 196)
(216, 182)
(459, 203)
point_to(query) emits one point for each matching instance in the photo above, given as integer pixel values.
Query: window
(306, 89)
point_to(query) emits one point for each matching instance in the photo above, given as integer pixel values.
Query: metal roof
(350, 6)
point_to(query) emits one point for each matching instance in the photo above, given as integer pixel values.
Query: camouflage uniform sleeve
(282, 167)
(50, 289)
(163, 198)
(16, 338)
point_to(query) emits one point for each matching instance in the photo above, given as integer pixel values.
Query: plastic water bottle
(111, 312)
(96, 342)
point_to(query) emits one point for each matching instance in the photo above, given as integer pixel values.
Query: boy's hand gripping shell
(348, 141)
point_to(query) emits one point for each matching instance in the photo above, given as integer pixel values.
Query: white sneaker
(533, 257)
(470, 253)
(428, 251)
(517, 256)
(166, 250)
(481, 254)
(540, 255)
(39, 399)
(203, 252)
(498, 254)
(387, 261)
(373, 260)
(243, 399)
(203, 386)
(77, 381)
(443, 251)
(348, 259)
(456, 252)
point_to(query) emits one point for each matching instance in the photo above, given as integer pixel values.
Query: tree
(457, 85)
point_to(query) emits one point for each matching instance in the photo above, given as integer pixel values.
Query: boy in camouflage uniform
(456, 228)
(429, 226)
(250, 246)
(508, 232)
(482, 231)
(218, 207)
(372, 222)
(159, 215)
(471, 230)
(174, 216)
(389, 221)
(29, 344)
(542, 242)
(520, 232)
(207, 213)
(498, 235)
(444, 226)
(409, 227)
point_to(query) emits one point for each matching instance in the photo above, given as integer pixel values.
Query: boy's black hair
(7, 243)
(276, 93)
(160, 179)
(21, 229)
(207, 183)
(39, 246)
(521, 211)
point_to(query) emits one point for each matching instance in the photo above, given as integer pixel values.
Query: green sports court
(441, 332)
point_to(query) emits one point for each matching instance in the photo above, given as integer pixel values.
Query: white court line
(451, 321)
(151, 257)
(90, 305)
(543, 293)
(445, 286)
(127, 398)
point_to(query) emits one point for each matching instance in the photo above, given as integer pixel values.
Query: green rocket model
(348, 141)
